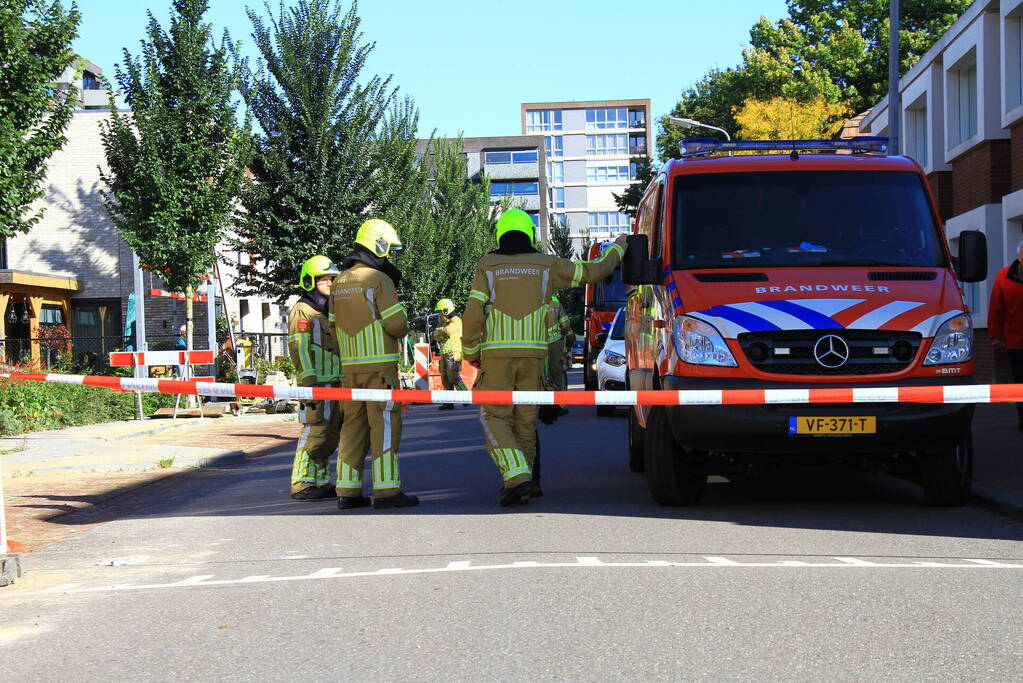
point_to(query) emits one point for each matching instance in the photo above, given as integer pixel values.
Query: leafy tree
(628, 200)
(35, 40)
(824, 49)
(332, 150)
(445, 231)
(176, 163)
(560, 239)
(782, 118)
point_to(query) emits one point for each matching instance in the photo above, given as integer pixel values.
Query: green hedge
(28, 406)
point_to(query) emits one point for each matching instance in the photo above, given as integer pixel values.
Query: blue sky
(470, 64)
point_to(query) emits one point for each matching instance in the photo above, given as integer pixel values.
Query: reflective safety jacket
(312, 347)
(560, 325)
(450, 337)
(508, 314)
(367, 319)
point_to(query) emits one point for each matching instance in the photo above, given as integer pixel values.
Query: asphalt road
(815, 574)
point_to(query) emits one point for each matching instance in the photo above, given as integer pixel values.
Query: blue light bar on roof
(858, 145)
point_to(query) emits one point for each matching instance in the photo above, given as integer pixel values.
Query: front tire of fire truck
(637, 457)
(670, 472)
(947, 473)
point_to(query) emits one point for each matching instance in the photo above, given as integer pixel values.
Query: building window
(555, 145)
(556, 197)
(499, 190)
(607, 174)
(637, 144)
(633, 170)
(51, 314)
(613, 117)
(3, 254)
(916, 131)
(607, 221)
(522, 156)
(963, 103)
(541, 120)
(555, 171)
(614, 144)
(90, 81)
(535, 217)
(637, 118)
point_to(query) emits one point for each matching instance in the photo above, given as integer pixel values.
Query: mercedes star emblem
(831, 351)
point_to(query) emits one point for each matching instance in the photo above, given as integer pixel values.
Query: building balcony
(637, 150)
(526, 202)
(95, 99)
(530, 171)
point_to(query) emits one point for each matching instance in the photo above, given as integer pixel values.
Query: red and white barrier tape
(981, 393)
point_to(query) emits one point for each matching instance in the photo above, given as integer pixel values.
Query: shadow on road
(584, 473)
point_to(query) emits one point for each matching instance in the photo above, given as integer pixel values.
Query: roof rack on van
(695, 147)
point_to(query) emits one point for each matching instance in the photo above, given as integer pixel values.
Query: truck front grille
(792, 352)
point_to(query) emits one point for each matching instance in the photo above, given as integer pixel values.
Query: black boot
(402, 500)
(351, 502)
(311, 493)
(537, 492)
(517, 495)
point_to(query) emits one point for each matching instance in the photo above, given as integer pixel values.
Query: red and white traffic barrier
(146, 358)
(174, 295)
(980, 393)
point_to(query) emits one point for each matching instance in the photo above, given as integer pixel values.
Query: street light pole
(691, 123)
(894, 98)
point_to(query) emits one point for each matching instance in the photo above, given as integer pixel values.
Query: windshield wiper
(869, 263)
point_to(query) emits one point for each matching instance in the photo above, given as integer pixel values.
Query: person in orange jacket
(1005, 318)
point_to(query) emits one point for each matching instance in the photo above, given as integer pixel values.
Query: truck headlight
(952, 343)
(613, 359)
(700, 344)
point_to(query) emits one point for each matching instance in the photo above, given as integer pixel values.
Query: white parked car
(611, 361)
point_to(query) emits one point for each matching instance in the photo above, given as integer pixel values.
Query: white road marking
(580, 563)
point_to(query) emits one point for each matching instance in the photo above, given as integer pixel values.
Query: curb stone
(10, 568)
(179, 462)
(998, 499)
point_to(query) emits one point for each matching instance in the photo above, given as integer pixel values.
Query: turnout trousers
(321, 429)
(450, 373)
(558, 368)
(370, 426)
(510, 431)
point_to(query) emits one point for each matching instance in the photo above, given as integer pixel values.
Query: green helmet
(515, 219)
(555, 299)
(316, 267)
(445, 306)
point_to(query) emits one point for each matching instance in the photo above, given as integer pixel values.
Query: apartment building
(515, 166)
(73, 271)
(962, 120)
(592, 149)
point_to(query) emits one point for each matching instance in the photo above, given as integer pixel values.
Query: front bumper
(765, 428)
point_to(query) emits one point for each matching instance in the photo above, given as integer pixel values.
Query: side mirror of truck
(638, 268)
(971, 266)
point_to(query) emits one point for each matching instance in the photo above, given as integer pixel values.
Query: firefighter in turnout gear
(506, 334)
(449, 335)
(368, 323)
(562, 338)
(314, 353)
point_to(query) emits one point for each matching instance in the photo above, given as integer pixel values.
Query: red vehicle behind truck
(790, 271)
(602, 300)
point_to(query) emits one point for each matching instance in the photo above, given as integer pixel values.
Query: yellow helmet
(445, 306)
(379, 237)
(515, 219)
(316, 267)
